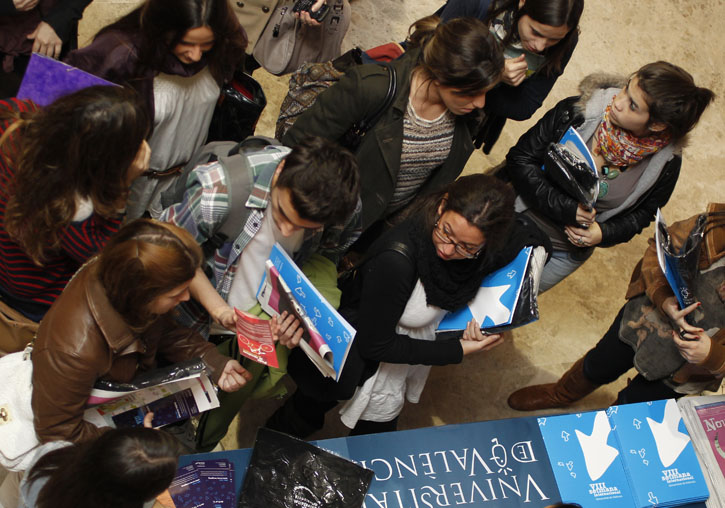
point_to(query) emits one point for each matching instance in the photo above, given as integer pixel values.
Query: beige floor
(617, 36)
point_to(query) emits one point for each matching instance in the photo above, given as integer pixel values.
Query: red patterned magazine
(712, 418)
(255, 339)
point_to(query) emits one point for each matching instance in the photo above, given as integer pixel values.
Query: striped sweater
(28, 287)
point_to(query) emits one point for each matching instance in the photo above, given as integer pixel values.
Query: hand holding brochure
(327, 337)
(571, 166)
(679, 265)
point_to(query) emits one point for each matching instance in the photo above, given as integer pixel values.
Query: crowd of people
(128, 243)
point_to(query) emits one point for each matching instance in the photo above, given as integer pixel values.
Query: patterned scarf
(622, 148)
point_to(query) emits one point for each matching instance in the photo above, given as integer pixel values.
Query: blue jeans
(559, 266)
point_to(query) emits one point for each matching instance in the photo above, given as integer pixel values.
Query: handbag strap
(368, 122)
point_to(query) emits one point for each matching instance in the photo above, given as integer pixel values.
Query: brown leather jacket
(82, 339)
(648, 278)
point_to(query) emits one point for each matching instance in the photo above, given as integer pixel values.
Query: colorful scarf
(622, 148)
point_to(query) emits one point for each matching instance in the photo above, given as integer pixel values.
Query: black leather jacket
(523, 169)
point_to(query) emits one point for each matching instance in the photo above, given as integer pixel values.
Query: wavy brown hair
(81, 145)
(144, 260)
(461, 54)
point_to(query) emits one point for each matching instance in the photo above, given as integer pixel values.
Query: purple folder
(47, 79)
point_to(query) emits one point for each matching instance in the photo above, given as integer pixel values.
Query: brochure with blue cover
(585, 457)
(658, 454)
(285, 287)
(495, 302)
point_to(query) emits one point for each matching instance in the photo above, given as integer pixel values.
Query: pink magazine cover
(712, 418)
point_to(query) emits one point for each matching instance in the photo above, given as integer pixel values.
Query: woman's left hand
(233, 377)
(696, 349)
(45, 40)
(584, 237)
(473, 339)
(305, 17)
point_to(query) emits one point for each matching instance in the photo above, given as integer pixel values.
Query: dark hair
(548, 12)
(122, 468)
(323, 180)
(672, 97)
(162, 24)
(485, 201)
(144, 260)
(461, 53)
(80, 145)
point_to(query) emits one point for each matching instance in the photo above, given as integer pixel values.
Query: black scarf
(449, 285)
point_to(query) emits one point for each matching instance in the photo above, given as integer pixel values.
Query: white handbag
(17, 432)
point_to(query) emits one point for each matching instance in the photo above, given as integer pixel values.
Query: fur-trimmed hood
(594, 82)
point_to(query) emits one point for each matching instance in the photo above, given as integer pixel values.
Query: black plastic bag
(571, 174)
(155, 377)
(240, 105)
(286, 472)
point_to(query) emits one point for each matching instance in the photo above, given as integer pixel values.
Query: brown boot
(572, 386)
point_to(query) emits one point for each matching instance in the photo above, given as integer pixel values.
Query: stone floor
(617, 36)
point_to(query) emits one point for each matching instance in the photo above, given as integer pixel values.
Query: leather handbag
(238, 109)
(16, 331)
(17, 432)
(286, 43)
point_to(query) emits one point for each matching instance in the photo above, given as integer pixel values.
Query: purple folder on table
(47, 79)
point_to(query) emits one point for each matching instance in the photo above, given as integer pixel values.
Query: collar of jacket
(119, 336)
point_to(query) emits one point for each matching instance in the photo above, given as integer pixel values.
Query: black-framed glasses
(442, 235)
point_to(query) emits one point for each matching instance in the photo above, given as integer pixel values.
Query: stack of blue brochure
(634, 455)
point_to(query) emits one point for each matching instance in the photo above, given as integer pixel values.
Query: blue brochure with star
(634, 455)
(494, 304)
(658, 454)
(586, 460)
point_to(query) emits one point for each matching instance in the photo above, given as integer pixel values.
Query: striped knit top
(27, 287)
(426, 144)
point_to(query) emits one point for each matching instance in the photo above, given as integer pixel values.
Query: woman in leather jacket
(634, 128)
(113, 320)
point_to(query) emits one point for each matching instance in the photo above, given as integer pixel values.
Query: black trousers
(611, 358)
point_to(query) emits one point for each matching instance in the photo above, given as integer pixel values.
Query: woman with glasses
(431, 263)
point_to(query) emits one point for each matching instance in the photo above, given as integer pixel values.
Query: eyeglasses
(442, 235)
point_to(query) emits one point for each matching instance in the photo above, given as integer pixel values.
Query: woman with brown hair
(65, 172)
(423, 140)
(634, 128)
(112, 321)
(176, 54)
(538, 36)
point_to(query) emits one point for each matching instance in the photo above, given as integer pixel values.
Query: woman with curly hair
(65, 173)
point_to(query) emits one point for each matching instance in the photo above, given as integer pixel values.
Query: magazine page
(324, 319)
(169, 403)
(254, 336)
(106, 391)
(586, 459)
(495, 302)
(658, 454)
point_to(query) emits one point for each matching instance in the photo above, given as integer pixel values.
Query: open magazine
(705, 420)
(505, 300)
(172, 393)
(570, 165)
(679, 265)
(328, 336)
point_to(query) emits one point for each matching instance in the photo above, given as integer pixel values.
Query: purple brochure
(47, 79)
(217, 478)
